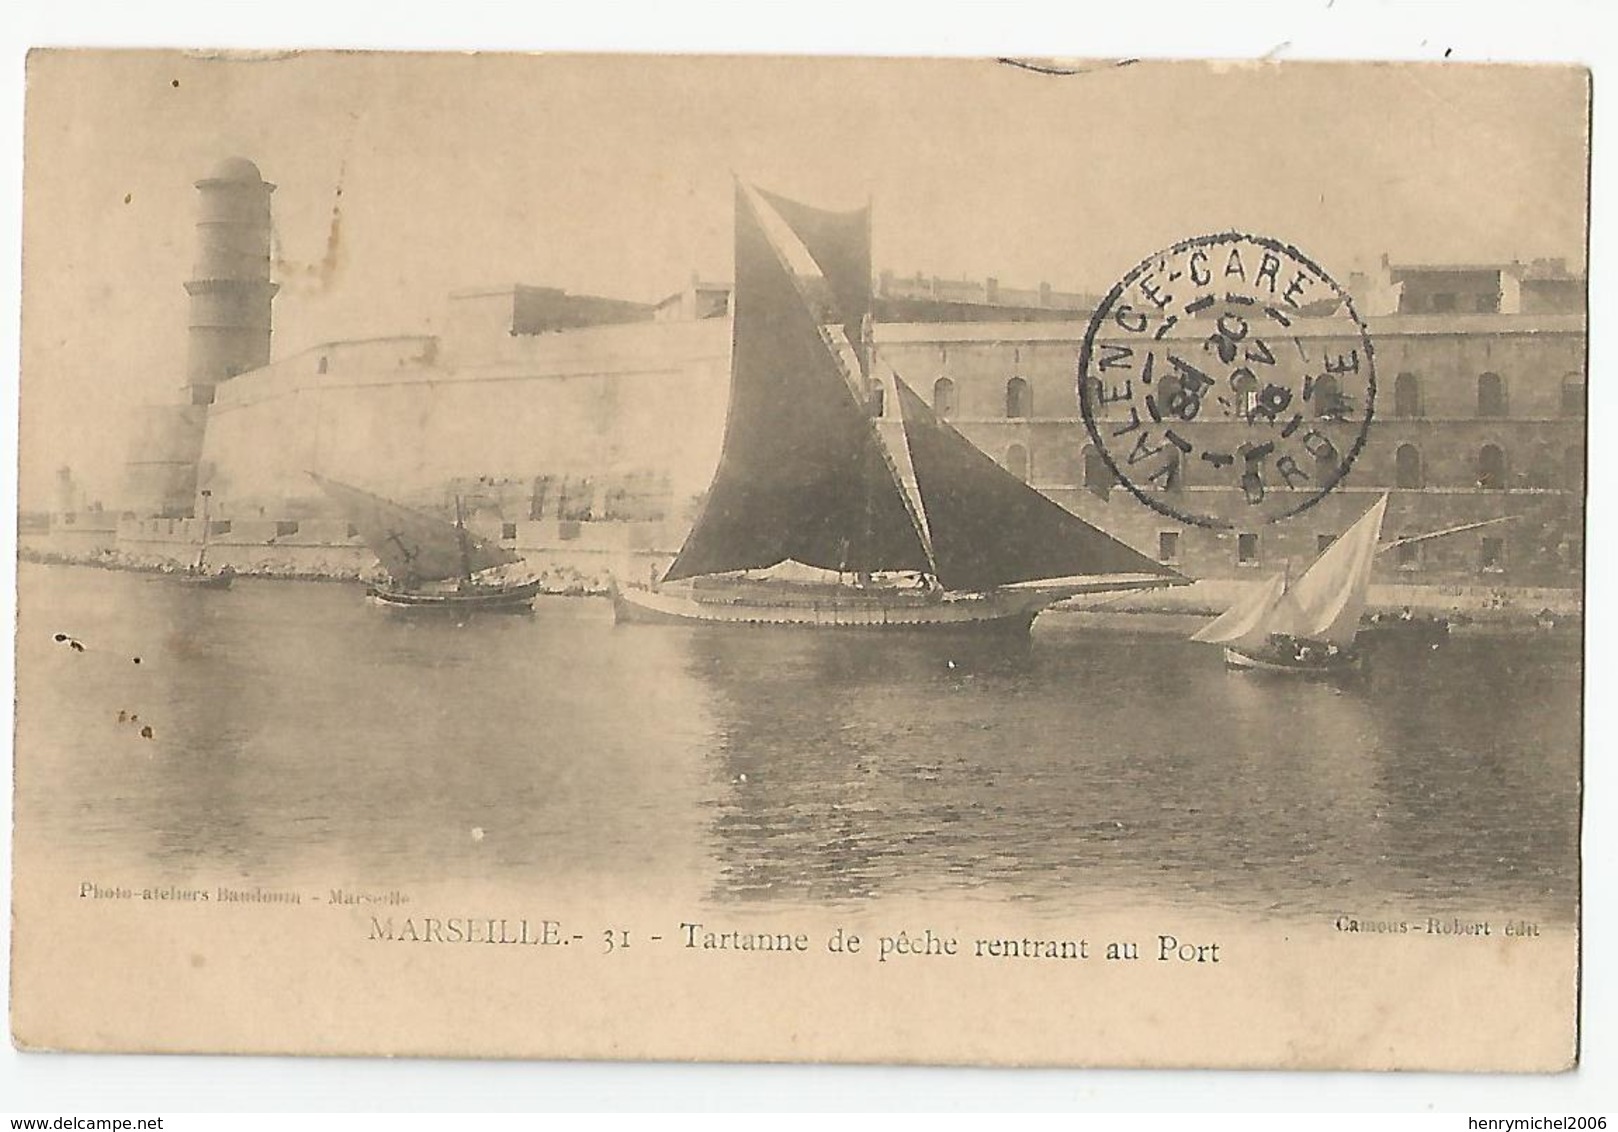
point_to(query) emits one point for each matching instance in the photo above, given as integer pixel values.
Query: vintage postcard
(998, 561)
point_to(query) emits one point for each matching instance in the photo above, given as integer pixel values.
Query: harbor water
(290, 730)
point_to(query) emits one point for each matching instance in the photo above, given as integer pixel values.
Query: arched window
(321, 367)
(1491, 467)
(1573, 467)
(1245, 386)
(1097, 475)
(1407, 395)
(1491, 396)
(944, 398)
(1539, 470)
(1167, 477)
(876, 400)
(1407, 467)
(1019, 400)
(1327, 397)
(1327, 466)
(1017, 461)
(1573, 395)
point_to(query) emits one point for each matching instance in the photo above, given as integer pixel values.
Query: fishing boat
(431, 563)
(882, 524)
(1307, 626)
(197, 575)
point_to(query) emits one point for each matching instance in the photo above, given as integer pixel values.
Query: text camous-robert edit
(584, 557)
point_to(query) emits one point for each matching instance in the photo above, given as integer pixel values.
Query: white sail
(1324, 605)
(1331, 593)
(1267, 608)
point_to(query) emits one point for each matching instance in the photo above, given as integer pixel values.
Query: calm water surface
(296, 731)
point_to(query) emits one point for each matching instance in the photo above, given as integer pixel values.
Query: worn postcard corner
(1059, 563)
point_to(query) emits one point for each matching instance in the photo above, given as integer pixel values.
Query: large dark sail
(990, 529)
(802, 474)
(412, 546)
(840, 245)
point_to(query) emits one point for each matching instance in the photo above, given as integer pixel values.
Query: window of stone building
(1323, 543)
(1326, 396)
(1491, 467)
(1539, 473)
(508, 531)
(1168, 546)
(1407, 395)
(1407, 467)
(944, 398)
(1492, 554)
(1247, 549)
(1407, 555)
(1573, 395)
(1326, 467)
(1167, 478)
(219, 526)
(876, 402)
(352, 532)
(1019, 399)
(1098, 476)
(320, 366)
(284, 527)
(1017, 461)
(1491, 396)
(1573, 467)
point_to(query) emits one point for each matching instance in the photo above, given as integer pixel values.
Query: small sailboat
(431, 563)
(887, 525)
(1307, 626)
(197, 575)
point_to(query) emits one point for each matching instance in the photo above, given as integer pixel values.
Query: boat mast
(460, 537)
(202, 553)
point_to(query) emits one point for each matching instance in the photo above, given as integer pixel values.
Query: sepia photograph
(1004, 561)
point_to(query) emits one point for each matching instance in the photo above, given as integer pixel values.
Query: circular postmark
(1227, 362)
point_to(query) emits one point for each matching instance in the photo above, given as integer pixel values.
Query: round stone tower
(231, 288)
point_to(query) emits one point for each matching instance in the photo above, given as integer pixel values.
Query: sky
(402, 178)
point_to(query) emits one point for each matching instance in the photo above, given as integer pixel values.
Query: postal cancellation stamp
(1227, 361)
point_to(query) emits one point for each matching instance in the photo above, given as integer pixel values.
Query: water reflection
(1089, 764)
(298, 733)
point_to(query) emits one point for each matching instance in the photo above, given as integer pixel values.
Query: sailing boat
(196, 575)
(806, 475)
(431, 563)
(1308, 625)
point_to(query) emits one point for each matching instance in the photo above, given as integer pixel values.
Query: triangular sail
(1245, 617)
(1324, 605)
(1265, 609)
(991, 529)
(1332, 592)
(412, 545)
(840, 245)
(802, 474)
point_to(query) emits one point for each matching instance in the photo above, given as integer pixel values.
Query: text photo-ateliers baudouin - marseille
(584, 557)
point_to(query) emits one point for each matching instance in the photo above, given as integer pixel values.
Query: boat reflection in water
(1086, 767)
(296, 737)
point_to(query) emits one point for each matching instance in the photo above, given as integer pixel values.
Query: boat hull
(1266, 662)
(994, 612)
(516, 598)
(205, 581)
